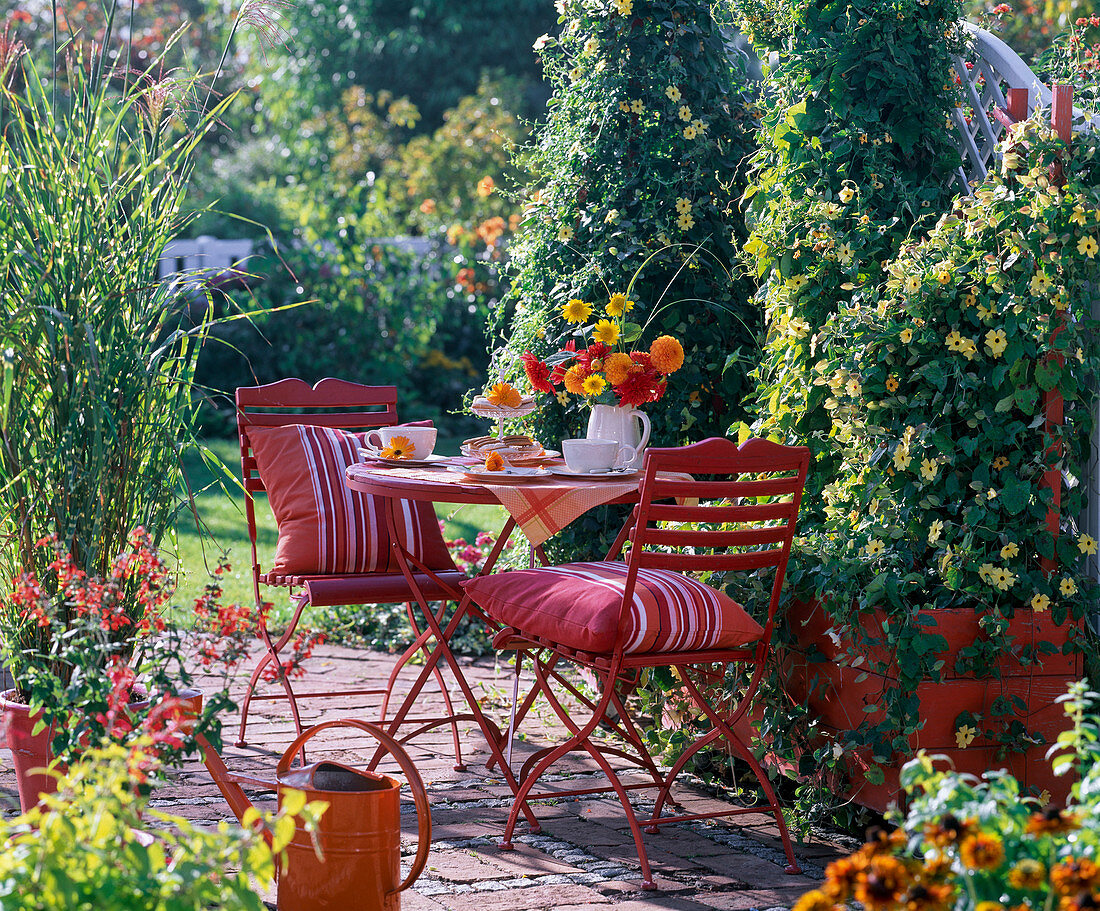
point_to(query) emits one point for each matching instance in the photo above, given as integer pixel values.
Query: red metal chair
(618, 617)
(297, 427)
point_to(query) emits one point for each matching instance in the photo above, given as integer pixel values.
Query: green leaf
(630, 332)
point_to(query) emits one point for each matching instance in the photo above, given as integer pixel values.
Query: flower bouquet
(605, 370)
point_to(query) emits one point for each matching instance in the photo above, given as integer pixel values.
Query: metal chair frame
(354, 407)
(753, 505)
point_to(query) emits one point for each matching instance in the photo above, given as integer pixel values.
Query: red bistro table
(445, 486)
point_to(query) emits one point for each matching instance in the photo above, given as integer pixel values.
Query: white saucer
(602, 475)
(510, 475)
(371, 455)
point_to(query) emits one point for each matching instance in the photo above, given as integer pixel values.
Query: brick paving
(583, 858)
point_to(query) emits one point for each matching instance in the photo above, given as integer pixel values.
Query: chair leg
(723, 729)
(271, 656)
(583, 738)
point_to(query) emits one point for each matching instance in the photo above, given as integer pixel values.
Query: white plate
(605, 474)
(371, 455)
(513, 475)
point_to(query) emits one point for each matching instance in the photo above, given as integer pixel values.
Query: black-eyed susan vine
(935, 393)
(638, 173)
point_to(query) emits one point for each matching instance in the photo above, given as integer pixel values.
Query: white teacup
(421, 439)
(596, 455)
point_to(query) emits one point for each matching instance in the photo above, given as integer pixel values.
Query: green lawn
(222, 515)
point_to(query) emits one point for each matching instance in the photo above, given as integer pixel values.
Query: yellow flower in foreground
(1086, 544)
(605, 331)
(1086, 246)
(847, 194)
(1002, 579)
(685, 222)
(399, 447)
(672, 93)
(576, 311)
(685, 113)
(912, 284)
(618, 305)
(874, 548)
(928, 469)
(964, 736)
(683, 205)
(996, 341)
(594, 384)
(1009, 551)
(935, 530)
(1067, 587)
(1040, 603)
(906, 336)
(666, 354)
(617, 367)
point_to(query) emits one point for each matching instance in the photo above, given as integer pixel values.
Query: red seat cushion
(324, 526)
(577, 606)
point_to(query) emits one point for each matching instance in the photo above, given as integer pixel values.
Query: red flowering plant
(606, 370)
(102, 658)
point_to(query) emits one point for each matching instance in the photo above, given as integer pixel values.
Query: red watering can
(359, 834)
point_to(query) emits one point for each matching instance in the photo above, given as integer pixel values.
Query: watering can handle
(416, 784)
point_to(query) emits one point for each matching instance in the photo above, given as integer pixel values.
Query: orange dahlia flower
(666, 354)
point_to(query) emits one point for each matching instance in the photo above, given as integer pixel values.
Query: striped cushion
(577, 606)
(325, 527)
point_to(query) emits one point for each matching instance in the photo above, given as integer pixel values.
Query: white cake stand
(499, 413)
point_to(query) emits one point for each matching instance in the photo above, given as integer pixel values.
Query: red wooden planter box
(840, 695)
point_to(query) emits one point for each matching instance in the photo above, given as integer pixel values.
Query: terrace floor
(584, 857)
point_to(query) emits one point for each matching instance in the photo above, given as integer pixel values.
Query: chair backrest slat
(700, 537)
(677, 512)
(681, 562)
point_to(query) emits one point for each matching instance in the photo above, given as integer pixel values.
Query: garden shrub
(637, 173)
(936, 397)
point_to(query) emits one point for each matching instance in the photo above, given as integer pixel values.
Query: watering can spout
(230, 784)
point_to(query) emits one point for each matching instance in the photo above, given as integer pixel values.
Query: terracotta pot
(30, 753)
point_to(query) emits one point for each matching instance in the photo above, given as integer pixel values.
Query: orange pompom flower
(574, 379)
(617, 367)
(666, 354)
(504, 395)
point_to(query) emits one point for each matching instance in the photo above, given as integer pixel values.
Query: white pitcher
(628, 426)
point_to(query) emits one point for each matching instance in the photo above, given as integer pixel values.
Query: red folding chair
(296, 442)
(618, 617)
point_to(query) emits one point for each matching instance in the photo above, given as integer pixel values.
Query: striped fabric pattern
(325, 527)
(577, 605)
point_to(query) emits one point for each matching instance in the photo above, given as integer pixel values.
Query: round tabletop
(438, 486)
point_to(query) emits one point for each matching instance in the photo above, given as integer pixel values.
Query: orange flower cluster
(959, 856)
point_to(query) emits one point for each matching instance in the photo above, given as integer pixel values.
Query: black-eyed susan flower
(982, 851)
(1067, 587)
(1039, 602)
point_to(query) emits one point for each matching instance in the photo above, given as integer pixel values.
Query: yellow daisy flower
(874, 548)
(1040, 603)
(690, 132)
(1067, 587)
(618, 305)
(928, 469)
(605, 331)
(672, 93)
(685, 222)
(594, 384)
(685, 113)
(623, 7)
(1086, 544)
(1086, 246)
(576, 311)
(636, 106)
(1009, 551)
(562, 397)
(683, 205)
(700, 126)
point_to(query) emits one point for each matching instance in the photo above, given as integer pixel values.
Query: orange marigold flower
(929, 897)
(841, 877)
(1027, 874)
(617, 366)
(982, 851)
(949, 830)
(1082, 901)
(1051, 820)
(574, 379)
(504, 395)
(666, 354)
(399, 447)
(494, 461)
(1074, 875)
(814, 900)
(883, 883)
